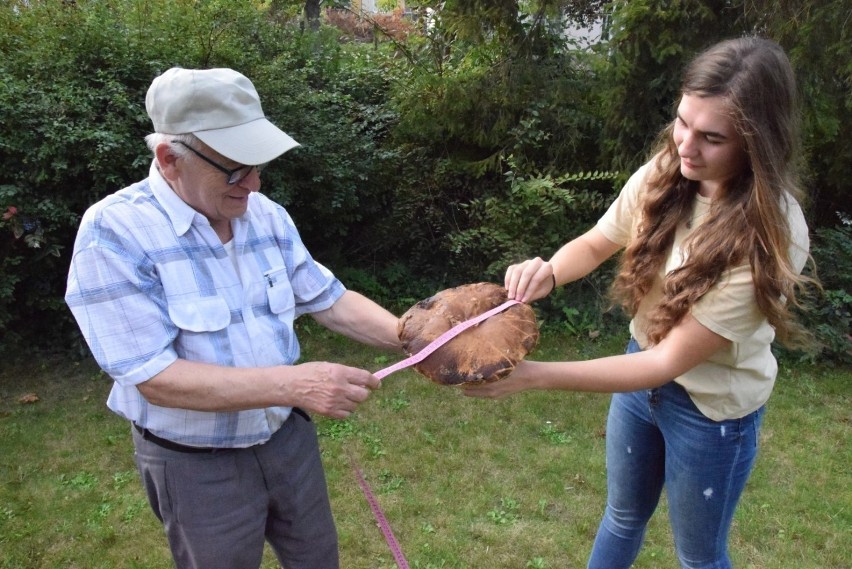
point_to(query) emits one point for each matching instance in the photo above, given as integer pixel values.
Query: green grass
(517, 483)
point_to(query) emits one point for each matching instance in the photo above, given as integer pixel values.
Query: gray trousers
(218, 508)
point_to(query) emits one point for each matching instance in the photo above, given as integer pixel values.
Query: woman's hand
(687, 345)
(530, 280)
(515, 382)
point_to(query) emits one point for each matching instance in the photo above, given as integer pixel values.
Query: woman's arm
(533, 279)
(687, 345)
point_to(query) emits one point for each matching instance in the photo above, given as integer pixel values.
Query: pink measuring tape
(384, 526)
(443, 339)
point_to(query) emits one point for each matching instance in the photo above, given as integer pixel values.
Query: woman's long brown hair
(747, 223)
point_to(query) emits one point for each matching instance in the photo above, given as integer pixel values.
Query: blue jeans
(657, 438)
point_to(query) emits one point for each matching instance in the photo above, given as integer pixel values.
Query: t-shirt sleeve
(619, 222)
(730, 307)
(799, 239)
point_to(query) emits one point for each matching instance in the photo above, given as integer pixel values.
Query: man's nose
(251, 181)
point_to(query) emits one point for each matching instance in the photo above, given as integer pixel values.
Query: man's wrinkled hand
(332, 390)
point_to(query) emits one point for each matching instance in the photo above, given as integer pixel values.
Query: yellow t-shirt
(738, 379)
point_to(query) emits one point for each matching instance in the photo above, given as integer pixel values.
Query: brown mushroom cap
(484, 353)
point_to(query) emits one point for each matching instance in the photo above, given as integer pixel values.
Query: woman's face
(710, 149)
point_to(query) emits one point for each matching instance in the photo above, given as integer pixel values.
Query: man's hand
(329, 389)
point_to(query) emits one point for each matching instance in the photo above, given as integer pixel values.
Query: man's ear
(167, 159)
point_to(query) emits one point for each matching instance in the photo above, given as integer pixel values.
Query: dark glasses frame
(234, 175)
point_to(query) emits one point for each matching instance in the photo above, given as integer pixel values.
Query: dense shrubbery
(74, 78)
(830, 316)
(430, 160)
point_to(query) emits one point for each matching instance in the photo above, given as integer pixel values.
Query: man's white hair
(156, 138)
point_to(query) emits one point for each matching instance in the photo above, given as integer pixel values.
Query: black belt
(171, 445)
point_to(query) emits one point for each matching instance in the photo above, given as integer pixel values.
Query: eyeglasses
(234, 176)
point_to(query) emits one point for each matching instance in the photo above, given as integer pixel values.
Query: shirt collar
(181, 214)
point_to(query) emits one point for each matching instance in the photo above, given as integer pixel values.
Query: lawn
(464, 483)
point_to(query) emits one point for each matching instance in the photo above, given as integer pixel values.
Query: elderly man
(185, 286)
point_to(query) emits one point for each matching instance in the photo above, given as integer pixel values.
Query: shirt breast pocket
(279, 293)
(205, 314)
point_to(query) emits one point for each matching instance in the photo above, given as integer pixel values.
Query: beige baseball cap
(219, 106)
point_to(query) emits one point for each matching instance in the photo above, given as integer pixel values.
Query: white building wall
(369, 6)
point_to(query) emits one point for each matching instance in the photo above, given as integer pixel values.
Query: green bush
(486, 120)
(329, 97)
(830, 317)
(74, 78)
(536, 216)
(425, 162)
(29, 261)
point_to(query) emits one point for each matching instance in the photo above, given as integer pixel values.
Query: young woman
(714, 243)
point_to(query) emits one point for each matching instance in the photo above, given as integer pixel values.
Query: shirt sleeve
(315, 288)
(799, 238)
(119, 305)
(620, 221)
(730, 307)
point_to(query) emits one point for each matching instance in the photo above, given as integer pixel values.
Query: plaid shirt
(150, 282)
